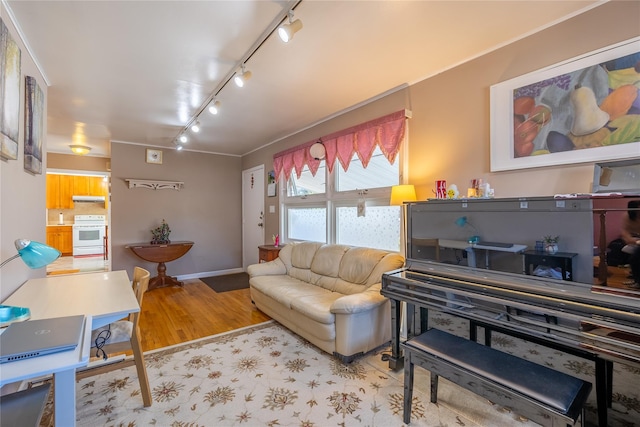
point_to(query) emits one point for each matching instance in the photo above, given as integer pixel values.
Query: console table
(161, 253)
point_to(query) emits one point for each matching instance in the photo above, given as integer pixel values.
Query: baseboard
(210, 273)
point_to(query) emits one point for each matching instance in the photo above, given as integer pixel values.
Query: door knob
(260, 224)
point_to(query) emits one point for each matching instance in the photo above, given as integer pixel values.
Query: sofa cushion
(358, 263)
(285, 289)
(326, 261)
(317, 307)
(302, 254)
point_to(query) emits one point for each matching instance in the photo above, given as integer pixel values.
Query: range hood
(88, 199)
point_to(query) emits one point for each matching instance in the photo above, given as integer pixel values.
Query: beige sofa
(328, 294)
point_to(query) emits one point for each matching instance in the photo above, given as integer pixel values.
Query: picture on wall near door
(9, 94)
(582, 110)
(33, 125)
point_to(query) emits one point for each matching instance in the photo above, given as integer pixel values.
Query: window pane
(379, 173)
(307, 184)
(307, 224)
(379, 228)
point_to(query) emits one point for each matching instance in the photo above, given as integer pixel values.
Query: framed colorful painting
(9, 94)
(33, 125)
(583, 110)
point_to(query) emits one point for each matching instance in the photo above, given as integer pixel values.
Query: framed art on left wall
(33, 125)
(9, 94)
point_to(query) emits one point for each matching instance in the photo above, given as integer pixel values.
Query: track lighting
(183, 138)
(286, 31)
(213, 107)
(195, 127)
(241, 78)
(178, 147)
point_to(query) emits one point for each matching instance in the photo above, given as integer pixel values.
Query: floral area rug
(267, 376)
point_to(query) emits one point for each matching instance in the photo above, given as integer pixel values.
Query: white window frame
(332, 199)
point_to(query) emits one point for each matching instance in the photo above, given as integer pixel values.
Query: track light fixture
(240, 79)
(286, 31)
(178, 147)
(214, 106)
(195, 127)
(183, 138)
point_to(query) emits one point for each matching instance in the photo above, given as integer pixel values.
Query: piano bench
(543, 395)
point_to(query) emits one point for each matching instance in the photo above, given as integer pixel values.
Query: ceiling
(139, 71)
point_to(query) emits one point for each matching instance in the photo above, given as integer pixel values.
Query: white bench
(543, 395)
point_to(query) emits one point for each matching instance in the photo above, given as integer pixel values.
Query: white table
(103, 297)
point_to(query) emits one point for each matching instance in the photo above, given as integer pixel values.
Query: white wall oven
(88, 235)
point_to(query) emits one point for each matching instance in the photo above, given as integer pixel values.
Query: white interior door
(253, 214)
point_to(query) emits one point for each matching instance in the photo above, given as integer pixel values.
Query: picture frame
(546, 118)
(33, 125)
(154, 156)
(10, 73)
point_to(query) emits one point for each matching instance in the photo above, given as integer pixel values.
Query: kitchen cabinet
(59, 191)
(61, 238)
(89, 186)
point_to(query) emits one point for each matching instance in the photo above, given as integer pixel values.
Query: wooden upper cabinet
(88, 186)
(59, 191)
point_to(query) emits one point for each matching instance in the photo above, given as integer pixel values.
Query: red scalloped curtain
(386, 132)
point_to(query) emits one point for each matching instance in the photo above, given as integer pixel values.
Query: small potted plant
(161, 234)
(551, 244)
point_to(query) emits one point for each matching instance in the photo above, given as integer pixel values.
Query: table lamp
(34, 254)
(461, 222)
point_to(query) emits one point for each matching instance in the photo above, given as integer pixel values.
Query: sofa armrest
(271, 268)
(357, 303)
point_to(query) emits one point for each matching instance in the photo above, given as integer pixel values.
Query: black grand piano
(593, 321)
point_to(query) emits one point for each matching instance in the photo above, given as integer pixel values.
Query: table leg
(162, 280)
(65, 398)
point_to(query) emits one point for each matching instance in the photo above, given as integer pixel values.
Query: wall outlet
(272, 209)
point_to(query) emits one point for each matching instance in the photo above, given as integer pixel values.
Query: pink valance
(385, 132)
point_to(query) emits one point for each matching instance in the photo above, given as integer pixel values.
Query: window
(315, 211)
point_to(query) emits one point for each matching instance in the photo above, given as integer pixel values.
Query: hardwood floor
(175, 315)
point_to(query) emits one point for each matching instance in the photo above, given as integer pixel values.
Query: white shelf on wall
(154, 184)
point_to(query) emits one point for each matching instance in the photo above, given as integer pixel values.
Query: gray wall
(206, 211)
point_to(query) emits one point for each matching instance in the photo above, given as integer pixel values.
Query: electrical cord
(101, 340)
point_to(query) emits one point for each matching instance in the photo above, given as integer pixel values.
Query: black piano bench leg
(408, 388)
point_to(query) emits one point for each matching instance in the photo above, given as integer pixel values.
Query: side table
(562, 260)
(161, 253)
(268, 253)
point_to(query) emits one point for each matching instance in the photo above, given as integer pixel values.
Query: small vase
(551, 248)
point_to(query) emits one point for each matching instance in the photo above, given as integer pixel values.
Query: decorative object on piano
(539, 246)
(441, 189)
(276, 240)
(551, 244)
(452, 192)
(463, 221)
(161, 234)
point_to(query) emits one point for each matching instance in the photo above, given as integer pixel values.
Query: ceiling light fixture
(178, 147)
(183, 138)
(195, 127)
(241, 79)
(80, 149)
(286, 31)
(214, 106)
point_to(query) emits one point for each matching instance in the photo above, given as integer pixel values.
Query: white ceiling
(139, 71)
